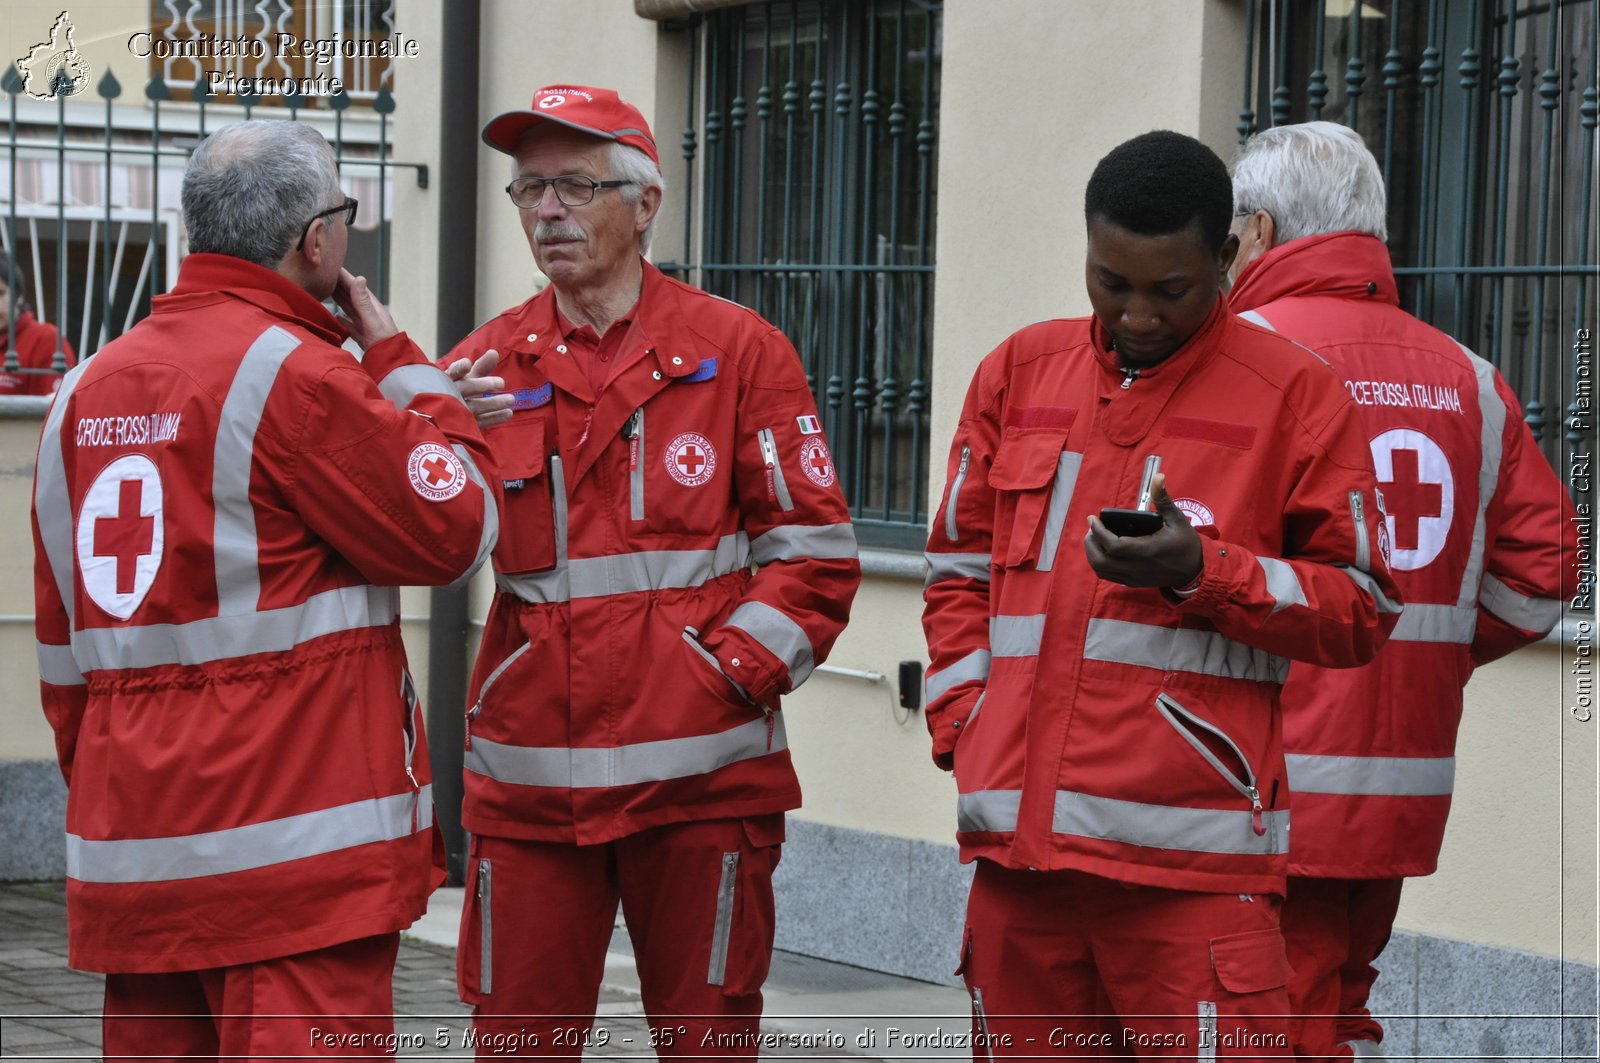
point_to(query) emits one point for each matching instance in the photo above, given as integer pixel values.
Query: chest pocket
(1028, 464)
(529, 532)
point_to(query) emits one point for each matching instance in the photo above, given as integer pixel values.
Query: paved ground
(813, 1007)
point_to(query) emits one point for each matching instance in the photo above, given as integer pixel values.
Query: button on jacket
(1123, 731)
(224, 502)
(632, 663)
(1477, 519)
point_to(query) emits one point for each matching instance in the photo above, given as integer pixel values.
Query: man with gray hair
(225, 500)
(624, 743)
(1475, 518)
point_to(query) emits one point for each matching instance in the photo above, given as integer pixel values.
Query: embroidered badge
(120, 534)
(816, 463)
(706, 371)
(809, 425)
(691, 459)
(1199, 513)
(1418, 490)
(436, 473)
(531, 398)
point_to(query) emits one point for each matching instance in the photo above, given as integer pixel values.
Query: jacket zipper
(483, 691)
(1170, 708)
(408, 695)
(722, 929)
(1358, 511)
(633, 432)
(777, 486)
(951, 532)
(485, 930)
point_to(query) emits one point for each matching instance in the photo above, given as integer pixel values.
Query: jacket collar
(1135, 410)
(203, 274)
(1347, 265)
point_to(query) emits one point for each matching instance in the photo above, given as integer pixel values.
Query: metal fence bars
(811, 149)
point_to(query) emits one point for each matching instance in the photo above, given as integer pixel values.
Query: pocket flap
(1027, 458)
(1251, 962)
(519, 450)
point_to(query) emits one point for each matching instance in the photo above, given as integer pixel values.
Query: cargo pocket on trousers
(980, 1015)
(743, 928)
(475, 961)
(1252, 962)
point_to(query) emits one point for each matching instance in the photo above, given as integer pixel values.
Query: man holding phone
(1112, 713)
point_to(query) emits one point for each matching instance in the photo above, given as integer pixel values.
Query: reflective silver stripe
(1181, 650)
(956, 566)
(491, 516)
(691, 636)
(791, 542)
(485, 926)
(1493, 409)
(951, 531)
(780, 486)
(1016, 636)
(1255, 318)
(1060, 499)
(491, 678)
(234, 516)
(1358, 516)
(403, 385)
(779, 635)
(631, 765)
(974, 665)
(636, 458)
(644, 570)
(275, 841)
(1371, 776)
(1369, 584)
(1206, 1038)
(1529, 614)
(219, 638)
(1436, 623)
(722, 925)
(51, 503)
(989, 811)
(1282, 583)
(57, 666)
(1195, 830)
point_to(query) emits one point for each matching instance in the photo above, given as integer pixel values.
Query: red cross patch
(1419, 497)
(816, 463)
(691, 459)
(436, 473)
(120, 534)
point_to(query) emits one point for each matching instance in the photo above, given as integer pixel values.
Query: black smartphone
(1130, 522)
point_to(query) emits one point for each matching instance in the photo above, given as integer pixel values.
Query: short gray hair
(1313, 178)
(251, 187)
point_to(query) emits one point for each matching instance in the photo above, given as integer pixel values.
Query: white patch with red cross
(436, 473)
(691, 459)
(1198, 512)
(120, 534)
(1418, 497)
(817, 463)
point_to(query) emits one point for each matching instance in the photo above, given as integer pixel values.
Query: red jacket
(223, 505)
(632, 661)
(36, 349)
(1126, 732)
(1476, 517)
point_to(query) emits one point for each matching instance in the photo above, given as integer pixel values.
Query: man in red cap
(624, 741)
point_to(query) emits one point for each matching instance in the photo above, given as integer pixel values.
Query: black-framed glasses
(573, 190)
(347, 208)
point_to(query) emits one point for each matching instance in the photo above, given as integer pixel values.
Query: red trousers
(1334, 929)
(337, 1001)
(1063, 965)
(697, 898)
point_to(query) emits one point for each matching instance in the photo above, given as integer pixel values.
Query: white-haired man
(1475, 516)
(623, 739)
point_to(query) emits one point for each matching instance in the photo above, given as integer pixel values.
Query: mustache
(555, 230)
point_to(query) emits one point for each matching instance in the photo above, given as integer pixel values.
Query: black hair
(1159, 183)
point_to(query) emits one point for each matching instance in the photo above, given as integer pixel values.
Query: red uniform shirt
(36, 349)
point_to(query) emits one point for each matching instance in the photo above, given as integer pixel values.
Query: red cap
(598, 112)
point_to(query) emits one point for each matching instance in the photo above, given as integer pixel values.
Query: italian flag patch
(809, 425)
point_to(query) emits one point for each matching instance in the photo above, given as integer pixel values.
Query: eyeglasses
(347, 208)
(573, 190)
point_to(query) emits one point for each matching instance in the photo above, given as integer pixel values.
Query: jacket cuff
(946, 723)
(1219, 580)
(749, 665)
(390, 354)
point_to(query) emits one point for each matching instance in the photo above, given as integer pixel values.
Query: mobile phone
(1130, 522)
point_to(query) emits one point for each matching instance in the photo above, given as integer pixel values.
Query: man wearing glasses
(224, 502)
(623, 738)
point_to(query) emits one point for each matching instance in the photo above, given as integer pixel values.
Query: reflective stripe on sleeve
(275, 841)
(629, 765)
(974, 665)
(51, 504)
(988, 811)
(1493, 409)
(956, 566)
(1282, 583)
(1436, 623)
(778, 635)
(1255, 318)
(1181, 650)
(1016, 636)
(491, 516)
(58, 667)
(1196, 830)
(794, 542)
(1519, 610)
(1060, 501)
(1366, 582)
(1371, 776)
(402, 386)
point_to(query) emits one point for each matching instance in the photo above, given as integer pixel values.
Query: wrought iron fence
(1482, 114)
(811, 149)
(92, 207)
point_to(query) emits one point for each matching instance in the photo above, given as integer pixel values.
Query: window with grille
(812, 149)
